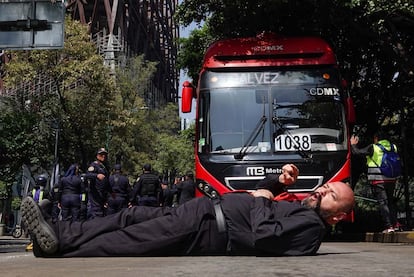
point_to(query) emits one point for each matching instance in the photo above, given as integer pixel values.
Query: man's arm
(368, 150)
(273, 185)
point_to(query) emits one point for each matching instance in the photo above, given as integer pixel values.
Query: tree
(69, 90)
(132, 134)
(175, 153)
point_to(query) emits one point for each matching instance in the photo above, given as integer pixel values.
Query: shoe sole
(37, 226)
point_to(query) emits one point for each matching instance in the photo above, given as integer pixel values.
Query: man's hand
(263, 193)
(289, 174)
(354, 140)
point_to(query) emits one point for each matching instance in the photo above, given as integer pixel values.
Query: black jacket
(258, 226)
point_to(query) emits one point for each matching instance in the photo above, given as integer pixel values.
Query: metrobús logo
(261, 170)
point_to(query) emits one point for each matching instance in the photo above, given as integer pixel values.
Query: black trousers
(384, 193)
(190, 229)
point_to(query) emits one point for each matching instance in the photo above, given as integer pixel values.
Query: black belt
(221, 221)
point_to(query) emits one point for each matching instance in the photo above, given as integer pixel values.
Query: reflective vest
(374, 162)
(37, 194)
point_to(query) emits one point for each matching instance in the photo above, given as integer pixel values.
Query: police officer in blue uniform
(147, 190)
(71, 189)
(98, 185)
(120, 191)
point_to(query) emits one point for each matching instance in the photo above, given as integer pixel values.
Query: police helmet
(41, 179)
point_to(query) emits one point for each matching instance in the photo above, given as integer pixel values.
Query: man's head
(101, 154)
(147, 168)
(41, 181)
(189, 175)
(332, 201)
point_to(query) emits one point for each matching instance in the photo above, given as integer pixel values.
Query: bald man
(239, 224)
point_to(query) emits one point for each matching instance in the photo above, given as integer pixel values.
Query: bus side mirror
(187, 97)
(350, 111)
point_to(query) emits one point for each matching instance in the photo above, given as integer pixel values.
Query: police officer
(120, 191)
(186, 188)
(147, 190)
(38, 191)
(98, 185)
(169, 194)
(71, 189)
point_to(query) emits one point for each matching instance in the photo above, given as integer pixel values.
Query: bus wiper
(252, 137)
(301, 152)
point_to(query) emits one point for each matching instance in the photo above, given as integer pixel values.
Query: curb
(397, 237)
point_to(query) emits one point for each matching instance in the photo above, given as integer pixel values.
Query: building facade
(123, 29)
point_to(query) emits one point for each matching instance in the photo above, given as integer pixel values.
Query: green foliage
(131, 132)
(3, 190)
(15, 204)
(192, 50)
(74, 95)
(89, 107)
(175, 153)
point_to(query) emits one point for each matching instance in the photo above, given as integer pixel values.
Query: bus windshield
(270, 112)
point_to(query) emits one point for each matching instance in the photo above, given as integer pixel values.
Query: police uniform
(186, 189)
(98, 190)
(237, 224)
(147, 190)
(120, 191)
(71, 190)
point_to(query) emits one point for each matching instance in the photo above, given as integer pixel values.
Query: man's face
(101, 157)
(328, 200)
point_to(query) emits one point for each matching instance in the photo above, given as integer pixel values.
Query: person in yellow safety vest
(382, 187)
(38, 192)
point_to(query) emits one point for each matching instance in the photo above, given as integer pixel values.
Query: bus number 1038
(293, 142)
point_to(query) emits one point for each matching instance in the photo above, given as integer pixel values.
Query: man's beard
(315, 205)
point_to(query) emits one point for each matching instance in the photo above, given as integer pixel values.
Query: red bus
(265, 101)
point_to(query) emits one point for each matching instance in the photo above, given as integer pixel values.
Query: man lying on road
(238, 223)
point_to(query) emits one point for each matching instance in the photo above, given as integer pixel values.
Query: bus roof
(269, 50)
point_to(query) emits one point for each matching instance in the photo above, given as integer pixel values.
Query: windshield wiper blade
(252, 137)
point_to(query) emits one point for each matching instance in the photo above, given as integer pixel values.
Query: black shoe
(41, 232)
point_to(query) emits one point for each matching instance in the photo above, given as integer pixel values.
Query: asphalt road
(334, 259)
